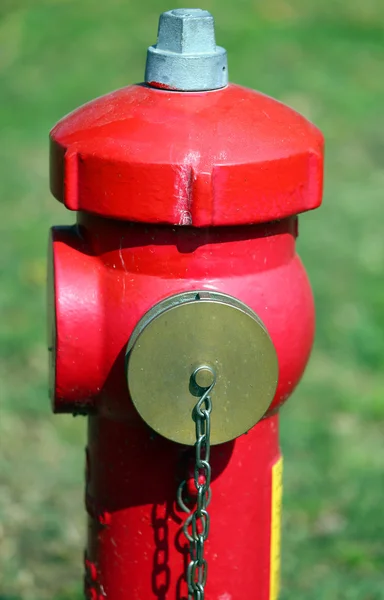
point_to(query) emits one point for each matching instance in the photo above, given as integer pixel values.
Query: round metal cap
(187, 341)
(186, 57)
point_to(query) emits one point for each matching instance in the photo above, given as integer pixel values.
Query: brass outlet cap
(192, 337)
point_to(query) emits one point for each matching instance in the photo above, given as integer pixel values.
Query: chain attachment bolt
(203, 376)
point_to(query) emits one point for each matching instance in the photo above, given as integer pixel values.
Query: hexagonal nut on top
(186, 57)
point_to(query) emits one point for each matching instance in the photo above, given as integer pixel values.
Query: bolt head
(204, 376)
(185, 57)
(186, 31)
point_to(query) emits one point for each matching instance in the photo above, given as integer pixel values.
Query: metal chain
(196, 526)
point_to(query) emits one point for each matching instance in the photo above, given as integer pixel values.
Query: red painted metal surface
(148, 171)
(136, 548)
(228, 157)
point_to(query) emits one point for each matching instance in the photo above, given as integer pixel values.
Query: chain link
(196, 526)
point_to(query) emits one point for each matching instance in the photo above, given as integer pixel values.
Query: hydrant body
(177, 192)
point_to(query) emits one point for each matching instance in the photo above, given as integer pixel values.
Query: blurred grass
(326, 60)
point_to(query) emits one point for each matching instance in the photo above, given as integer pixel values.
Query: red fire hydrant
(181, 318)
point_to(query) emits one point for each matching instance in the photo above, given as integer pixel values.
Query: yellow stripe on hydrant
(277, 496)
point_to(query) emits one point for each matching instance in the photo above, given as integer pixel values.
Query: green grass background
(325, 59)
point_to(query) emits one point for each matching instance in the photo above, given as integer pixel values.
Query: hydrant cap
(227, 156)
(186, 57)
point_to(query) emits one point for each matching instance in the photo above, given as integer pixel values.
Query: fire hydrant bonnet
(230, 157)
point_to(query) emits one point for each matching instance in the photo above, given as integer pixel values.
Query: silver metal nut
(186, 57)
(186, 32)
